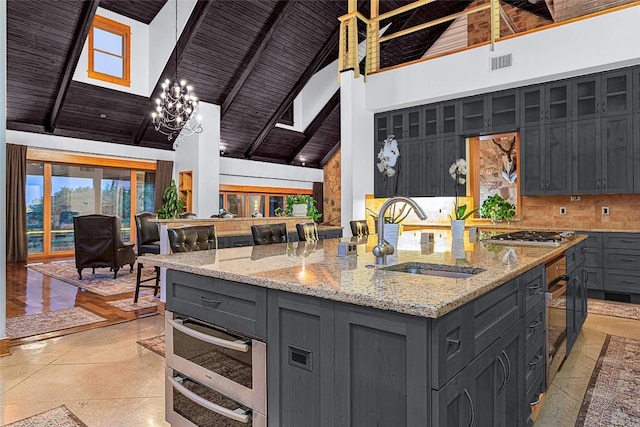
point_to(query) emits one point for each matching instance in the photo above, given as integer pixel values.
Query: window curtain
(164, 172)
(16, 218)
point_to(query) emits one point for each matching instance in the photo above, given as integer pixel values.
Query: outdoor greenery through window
(56, 193)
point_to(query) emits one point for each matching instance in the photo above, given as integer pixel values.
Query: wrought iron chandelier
(176, 110)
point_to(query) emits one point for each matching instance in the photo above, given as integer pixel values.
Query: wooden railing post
(495, 23)
(373, 39)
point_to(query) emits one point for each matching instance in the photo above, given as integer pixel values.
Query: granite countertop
(519, 225)
(316, 270)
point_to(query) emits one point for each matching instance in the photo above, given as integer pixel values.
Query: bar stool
(268, 234)
(148, 241)
(359, 227)
(307, 231)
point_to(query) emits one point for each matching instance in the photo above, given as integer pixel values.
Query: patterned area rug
(41, 323)
(58, 417)
(613, 395)
(146, 301)
(101, 283)
(155, 344)
(607, 308)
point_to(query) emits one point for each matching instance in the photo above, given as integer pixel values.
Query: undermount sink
(441, 270)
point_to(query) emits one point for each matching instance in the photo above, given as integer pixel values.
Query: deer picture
(509, 172)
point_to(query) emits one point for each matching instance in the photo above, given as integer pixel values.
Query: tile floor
(106, 379)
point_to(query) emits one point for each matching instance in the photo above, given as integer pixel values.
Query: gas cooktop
(539, 238)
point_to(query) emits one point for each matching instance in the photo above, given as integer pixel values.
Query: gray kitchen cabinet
(546, 143)
(223, 242)
(383, 186)
(495, 384)
(593, 262)
(330, 234)
(406, 125)
(602, 95)
(382, 127)
(440, 154)
(300, 361)
(239, 241)
(493, 112)
(603, 155)
(381, 368)
(636, 150)
(546, 160)
(576, 299)
(411, 168)
(441, 119)
(635, 87)
(453, 405)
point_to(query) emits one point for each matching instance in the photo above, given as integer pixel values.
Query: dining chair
(359, 227)
(307, 231)
(267, 234)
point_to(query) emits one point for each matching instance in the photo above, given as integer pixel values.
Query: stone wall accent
(332, 193)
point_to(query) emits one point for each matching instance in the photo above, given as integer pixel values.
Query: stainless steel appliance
(536, 238)
(214, 376)
(556, 310)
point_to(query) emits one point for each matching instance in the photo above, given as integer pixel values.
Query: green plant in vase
(172, 203)
(300, 199)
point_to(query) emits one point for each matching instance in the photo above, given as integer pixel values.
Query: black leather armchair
(193, 238)
(307, 232)
(98, 244)
(268, 234)
(359, 228)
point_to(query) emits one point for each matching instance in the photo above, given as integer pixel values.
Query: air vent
(503, 61)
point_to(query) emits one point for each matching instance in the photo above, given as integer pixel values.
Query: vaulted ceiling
(251, 57)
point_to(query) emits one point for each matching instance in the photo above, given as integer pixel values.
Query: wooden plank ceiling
(252, 57)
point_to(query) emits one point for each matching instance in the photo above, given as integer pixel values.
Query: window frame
(121, 30)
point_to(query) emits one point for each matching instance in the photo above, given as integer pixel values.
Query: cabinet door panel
(452, 404)
(432, 167)
(616, 93)
(532, 161)
(558, 102)
(510, 396)
(532, 105)
(486, 379)
(452, 149)
(410, 171)
(586, 92)
(449, 124)
(397, 122)
(558, 158)
(587, 156)
(504, 111)
(473, 115)
(617, 155)
(301, 360)
(381, 126)
(431, 116)
(374, 385)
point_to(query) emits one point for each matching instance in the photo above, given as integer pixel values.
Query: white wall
(162, 37)
(139, 57)
(200, 153)
(250, 172)
(607, 41)
(85, 146)
(356, 132)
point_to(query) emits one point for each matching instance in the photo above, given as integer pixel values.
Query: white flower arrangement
(458, 171)
(388, 157)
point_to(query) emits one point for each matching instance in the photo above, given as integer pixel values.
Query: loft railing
(362, 37)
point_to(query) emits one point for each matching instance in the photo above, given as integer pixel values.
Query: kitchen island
(353, 344)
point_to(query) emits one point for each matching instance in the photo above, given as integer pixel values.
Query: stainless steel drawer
(235, 306)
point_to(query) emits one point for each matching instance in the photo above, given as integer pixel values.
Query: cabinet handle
(597, 107)
(239, 415)
(534, 324)
(604, 107)
(630, 282)
(542, 185)
(210, 301)
(504, 374)
(541, 114)
(598, 184)
(506, 356)
(627, 241)
(547, 114)
(604, 183)
(473, 412)
(547, 185)
(585, 276)
(533, 288)
(627, 259)
(536, 361)
(453, 341)
(238, 345)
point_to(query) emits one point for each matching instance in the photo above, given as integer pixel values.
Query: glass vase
(457, 229)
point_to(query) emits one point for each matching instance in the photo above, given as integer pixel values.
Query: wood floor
(30, 292)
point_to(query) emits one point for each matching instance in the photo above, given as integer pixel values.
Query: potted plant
(306, 207)
(458, 172)
(172, 203)
(497, 208)
(397, 214)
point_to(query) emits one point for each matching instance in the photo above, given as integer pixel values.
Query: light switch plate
(563, 211)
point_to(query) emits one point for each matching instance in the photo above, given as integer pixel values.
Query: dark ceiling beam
(189, 32)
(326, 50)
(315, 124)
(82, 31)
(330, 154)
(288, 5)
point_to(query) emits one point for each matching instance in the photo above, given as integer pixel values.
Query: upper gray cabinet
(636, 89)
(545, 133)
(441, 119)
(494, 112)
(406, 125)
(602, 95)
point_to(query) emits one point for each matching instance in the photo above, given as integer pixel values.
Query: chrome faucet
(383, 249)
